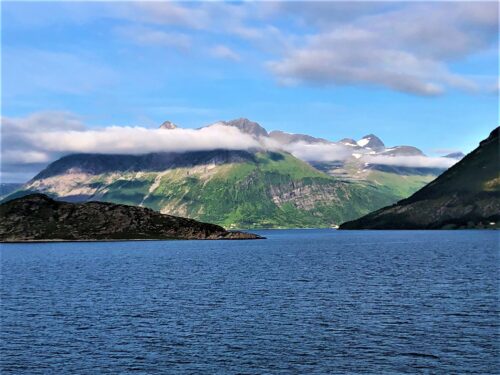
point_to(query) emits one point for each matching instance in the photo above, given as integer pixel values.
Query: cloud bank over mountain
(30, 143)
(411, 161)
(318, 151)
(337, 152)
(38, 139)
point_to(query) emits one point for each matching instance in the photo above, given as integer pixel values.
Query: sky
(417, 73)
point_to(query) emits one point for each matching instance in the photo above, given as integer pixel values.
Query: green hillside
(231, 188)
(274, 190)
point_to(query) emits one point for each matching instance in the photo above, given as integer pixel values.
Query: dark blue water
(308, 301)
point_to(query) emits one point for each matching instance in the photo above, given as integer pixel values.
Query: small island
(38, 218)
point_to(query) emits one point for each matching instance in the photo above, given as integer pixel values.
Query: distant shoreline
(232, 239)
(126, 240)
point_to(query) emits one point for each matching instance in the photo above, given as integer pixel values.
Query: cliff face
(36, 217)
(466, 196)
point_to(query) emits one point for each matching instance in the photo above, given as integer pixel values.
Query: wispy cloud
(224, 52)
(411, 161)
(331, 152)
(405, 46)
(406, 49)
(319, 152)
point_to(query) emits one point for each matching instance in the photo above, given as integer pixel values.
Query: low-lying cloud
(139, 140)
(30, 143)
(331, 152)
(411, 161)
(43, 137)
(319, 152)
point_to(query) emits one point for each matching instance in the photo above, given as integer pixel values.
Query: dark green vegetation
(466, 196)
(36, 217)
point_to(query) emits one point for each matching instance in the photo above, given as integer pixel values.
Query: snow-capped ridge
(371, 141)
(168, 125)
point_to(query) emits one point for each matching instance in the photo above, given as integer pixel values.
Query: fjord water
(302, 301)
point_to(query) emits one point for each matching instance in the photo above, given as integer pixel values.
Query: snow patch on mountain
(363, 142)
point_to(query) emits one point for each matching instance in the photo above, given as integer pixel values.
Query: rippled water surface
(302, 301)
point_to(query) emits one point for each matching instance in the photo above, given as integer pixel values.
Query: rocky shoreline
(38, 218)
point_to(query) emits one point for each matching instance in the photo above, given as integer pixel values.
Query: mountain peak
(348, 141)
(403, 151)
(371, 141)
(455, 155)
(247, 126)
(284, 137)
(168, 125)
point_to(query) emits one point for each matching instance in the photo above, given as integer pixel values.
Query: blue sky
(424, 74)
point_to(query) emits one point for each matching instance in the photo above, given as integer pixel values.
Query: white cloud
(354, 65)
(411, 161)
(320, 152)
(30, 143)
(328, 152)
(139, 140)
(43, 137)
(406, 49)
(403, 46)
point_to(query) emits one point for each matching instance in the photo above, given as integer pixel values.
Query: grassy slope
(240, 194)
(401, 186)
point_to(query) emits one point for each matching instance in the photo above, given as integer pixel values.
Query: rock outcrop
(37, 217)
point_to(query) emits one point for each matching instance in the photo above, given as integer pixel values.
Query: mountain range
(288, 180)
(465, 196)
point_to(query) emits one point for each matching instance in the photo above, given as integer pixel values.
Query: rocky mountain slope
(264, 187)
(38, 218)
(465, 196)
(287, 138)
